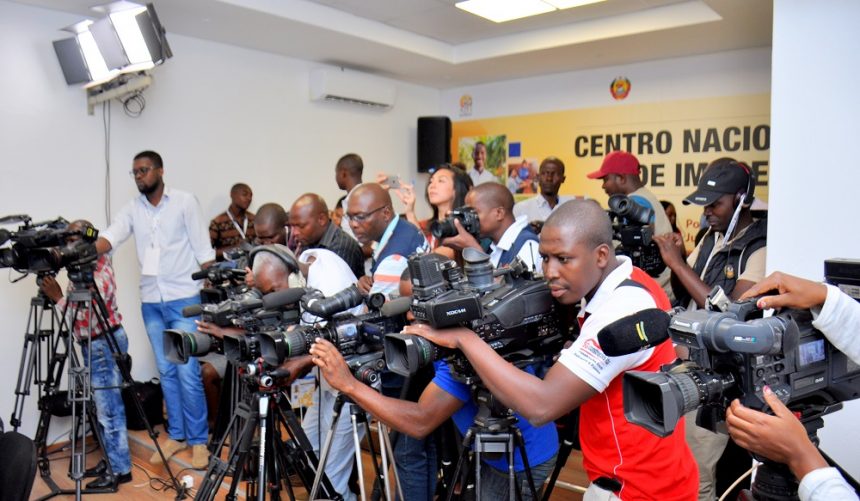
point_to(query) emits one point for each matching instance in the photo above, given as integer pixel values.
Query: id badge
(150, 261)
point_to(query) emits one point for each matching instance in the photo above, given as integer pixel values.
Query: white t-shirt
(610, 303)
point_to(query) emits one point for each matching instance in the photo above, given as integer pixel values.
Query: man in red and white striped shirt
(106, 378)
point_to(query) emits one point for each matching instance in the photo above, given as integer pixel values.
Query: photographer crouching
(106, 377)
(620, 458)
(275, 268)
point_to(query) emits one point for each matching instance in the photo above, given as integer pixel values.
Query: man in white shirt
(479, 172)
(172, 242)
(511, 238)
(550, 178)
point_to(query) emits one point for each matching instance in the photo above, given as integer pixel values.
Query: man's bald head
(584, 220)
(309, 219)
(369, 211)
(270, 224)
(494, 195)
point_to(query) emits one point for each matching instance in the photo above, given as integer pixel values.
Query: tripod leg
(261, 467)
(338, 407)
(388, 452)
(521, 445)
(462, 461)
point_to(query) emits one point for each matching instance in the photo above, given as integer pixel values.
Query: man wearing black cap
(732, 255)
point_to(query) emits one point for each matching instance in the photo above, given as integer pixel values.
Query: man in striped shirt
(106, 377)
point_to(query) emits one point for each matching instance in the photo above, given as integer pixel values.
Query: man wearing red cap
(620, 175)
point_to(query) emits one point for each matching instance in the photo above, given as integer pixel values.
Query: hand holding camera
(794, 292)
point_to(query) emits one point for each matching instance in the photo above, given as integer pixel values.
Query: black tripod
(85, 302)
(268, 411)
(493, 432)
(775, 482)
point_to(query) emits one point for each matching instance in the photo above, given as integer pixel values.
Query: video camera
(43, 248)
(631, 227)
(251, 312)
(737, 353)
(446, 228)
(359, 338)
(515, 317)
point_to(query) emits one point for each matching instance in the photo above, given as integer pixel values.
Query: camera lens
(443, 229)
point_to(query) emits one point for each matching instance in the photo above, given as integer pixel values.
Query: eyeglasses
(140, 172)
(363, 216)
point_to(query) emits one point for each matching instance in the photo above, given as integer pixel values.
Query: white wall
(218, 114)
(712, 75)
(814, 181)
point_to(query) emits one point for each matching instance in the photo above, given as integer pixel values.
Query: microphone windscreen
(281, 298)
(5, 235)
(396, 307)
(643, 329)
(192, 311)
(199, 275)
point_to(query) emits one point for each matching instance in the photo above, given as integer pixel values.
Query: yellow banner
(673, 140)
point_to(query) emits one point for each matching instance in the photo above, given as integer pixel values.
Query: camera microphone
(192, 311)
(199, 275)
(5, 235)
(633, 333)
(281, 298)
(396, 307)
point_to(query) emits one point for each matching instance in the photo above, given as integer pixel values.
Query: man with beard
(172, 243)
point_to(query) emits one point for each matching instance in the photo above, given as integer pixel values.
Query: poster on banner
(496, 153)
(302, 392)
(673, 140)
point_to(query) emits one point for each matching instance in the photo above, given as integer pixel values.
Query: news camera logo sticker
(619, 88)
(465, 105)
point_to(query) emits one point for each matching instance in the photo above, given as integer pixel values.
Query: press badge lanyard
(244, 225)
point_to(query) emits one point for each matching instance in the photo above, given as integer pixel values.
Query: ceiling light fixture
(500, 11)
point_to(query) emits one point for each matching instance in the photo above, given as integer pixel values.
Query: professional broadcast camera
(250, 312)
(515, 317)
(631, 227)
(446, 228)
(359, 338)
(42, 248)
(737, 353)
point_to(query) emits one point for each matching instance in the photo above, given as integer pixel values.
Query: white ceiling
(433, 43)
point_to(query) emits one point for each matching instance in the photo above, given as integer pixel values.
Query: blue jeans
(416, 465)
(181, 384)
(110, 409)
(495, 483)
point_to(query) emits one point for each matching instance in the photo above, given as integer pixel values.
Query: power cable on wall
(106, 124)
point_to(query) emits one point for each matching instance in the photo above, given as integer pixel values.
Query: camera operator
(373, 221)
(550, 178)
(511, 238)
(106, 377)
(732, 255)
(443, 398)
(328, 273)
(620, 175)
(781, 437)
(313, 229)
(172, 241)
(621, 459)
(234, 226)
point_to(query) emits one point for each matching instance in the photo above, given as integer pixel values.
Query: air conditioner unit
(351, 87)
